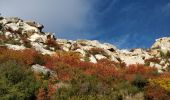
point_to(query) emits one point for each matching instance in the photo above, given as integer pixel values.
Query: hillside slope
(92, 69)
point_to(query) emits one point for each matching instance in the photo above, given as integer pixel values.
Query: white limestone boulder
(162, 44)
(15, 47)
(41, 69)
(92, 59)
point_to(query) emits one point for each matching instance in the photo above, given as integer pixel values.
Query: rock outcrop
(19, 35)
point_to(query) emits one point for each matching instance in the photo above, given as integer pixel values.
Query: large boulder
(132, 60)
(12, 20)
(12, 27)
(99, 57)
(34, 24)
(40, 47)
(92, 59)
(38, 38)
(27, 29)
(41, 69)
(15, 47)
(97, 44)
(162, 44)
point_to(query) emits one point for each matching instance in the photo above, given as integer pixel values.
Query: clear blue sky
(124, 23)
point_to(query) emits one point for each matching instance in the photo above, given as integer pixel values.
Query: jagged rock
(12, 19)
(92, 59)
(82, 52)
(38, 38)
(34, 24)
(15, 47)
(132, 60)
(29, 30)
(39, 47)
(50, 36)
(113, 58)
(96, 44)
(159, 67)
(8, 35)
(12, 27)
(99, 57)
(66, 47)
(162, 44)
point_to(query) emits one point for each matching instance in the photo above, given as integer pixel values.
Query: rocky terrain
(87, 69)
(29, 34)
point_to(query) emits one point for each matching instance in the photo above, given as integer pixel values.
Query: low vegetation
(77, 80)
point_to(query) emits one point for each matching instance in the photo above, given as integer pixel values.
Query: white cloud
(60, 15)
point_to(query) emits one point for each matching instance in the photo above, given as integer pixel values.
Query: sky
(124, 23)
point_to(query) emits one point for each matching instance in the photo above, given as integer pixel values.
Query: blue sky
(124, 23)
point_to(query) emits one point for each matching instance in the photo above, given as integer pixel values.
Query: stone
(34, 24)
(29, 30)
(92, 59)
(15, 47)
(41, 69)
(12, 27)
(12, 19)
(132, 60)
(99, 57)
(38, 38)
(8, 35)
(82, 52)
(39, 47)
(162, 44)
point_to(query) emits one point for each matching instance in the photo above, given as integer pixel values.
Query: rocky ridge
(18, 34)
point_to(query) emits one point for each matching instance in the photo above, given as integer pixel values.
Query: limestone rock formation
(19, 35)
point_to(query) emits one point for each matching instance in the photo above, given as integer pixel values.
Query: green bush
(92, 88)
(139, 81)
(16, 82)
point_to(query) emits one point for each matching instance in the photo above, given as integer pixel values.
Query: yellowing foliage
(163, 82)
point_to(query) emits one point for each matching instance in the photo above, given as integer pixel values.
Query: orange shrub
(42, 94)
(25, 56)
(140, 69)
(155, 60)
(153, 92)
(52, 43)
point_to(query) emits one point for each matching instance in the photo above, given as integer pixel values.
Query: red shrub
(52, 43)
(42, 94)
(155, 60)
(154, 92)
(25, 57)
(140, 69)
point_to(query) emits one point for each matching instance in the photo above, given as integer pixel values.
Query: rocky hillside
(18, 34)
(35, 65)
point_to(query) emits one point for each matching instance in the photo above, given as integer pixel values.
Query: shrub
(23, 57)
(52, 43)
(154, 92)
(163, 82)
(16, 82)
(39, 59)
(155, 60)
(90, 87)
(140, 81)
(141, 69)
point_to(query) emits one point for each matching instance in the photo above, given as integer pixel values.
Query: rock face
(162, 44)
(20, 35)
